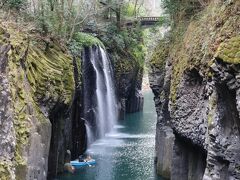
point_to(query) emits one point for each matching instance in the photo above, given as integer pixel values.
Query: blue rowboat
(76, 163)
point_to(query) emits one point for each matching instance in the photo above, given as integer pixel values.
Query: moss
(50, 74)
(78, 66)
(160, 55)
(87, 40)
(81, 40)
(2, 31)
(212, 109)
(194, 44)
(229, 51)
(179, 58)
(36, 77)
(124, 65)
(21, 123)
(4, 170)
(21, 171)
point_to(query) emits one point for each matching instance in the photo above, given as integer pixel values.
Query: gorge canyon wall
(195, 79)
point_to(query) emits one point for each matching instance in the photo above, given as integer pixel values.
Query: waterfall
(100, 104)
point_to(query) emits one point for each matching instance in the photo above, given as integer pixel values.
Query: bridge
(144, 21)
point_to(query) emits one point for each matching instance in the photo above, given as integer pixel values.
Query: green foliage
(15, 4)
(126, 41)
(133, 39)
(85, 39)
(181, 9)
(171, 6)
(4, 170)
(113, 37)
(160, 54)
(55, 18)
(229, 51)
(163, 21)
(129, 10)
(81, 40)
(195, 43)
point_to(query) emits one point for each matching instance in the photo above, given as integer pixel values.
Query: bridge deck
(145, 21)
(148, 18)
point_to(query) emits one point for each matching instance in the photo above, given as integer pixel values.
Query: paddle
(89, 165)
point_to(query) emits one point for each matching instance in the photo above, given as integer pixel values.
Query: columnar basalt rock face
(190, 108)
(89, 99)
(35, 81)
(7, 132)
(196, 87)
(223, 152)
(176, 155)
(135, 99)
(128, 80)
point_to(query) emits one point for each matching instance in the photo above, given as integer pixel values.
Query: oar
(89, 165)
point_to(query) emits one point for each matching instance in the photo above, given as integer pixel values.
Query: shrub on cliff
(128, 42)
(182, 9)
(81, 40)
(13, 4)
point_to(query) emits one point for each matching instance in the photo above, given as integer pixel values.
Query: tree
(118, 9)
(16, 5)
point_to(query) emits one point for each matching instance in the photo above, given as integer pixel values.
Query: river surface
(127, 153)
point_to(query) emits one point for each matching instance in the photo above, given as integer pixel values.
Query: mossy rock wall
(196, 47)
(38, 75)
(200, 64)
(128, 80)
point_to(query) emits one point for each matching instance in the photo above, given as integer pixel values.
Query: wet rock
(128, 80)
(164, 158)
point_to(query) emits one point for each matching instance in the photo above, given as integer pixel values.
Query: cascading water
(111, 99)
(100, 105)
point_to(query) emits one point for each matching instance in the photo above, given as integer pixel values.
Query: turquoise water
(127, 153)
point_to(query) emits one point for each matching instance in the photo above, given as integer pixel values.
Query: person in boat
(88, 158)
(84, 158)
(81, 158)
(67, 165)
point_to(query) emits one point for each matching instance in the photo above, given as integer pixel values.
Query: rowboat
(76, 163)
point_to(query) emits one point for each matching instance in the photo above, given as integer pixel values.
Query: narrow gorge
(73, 84)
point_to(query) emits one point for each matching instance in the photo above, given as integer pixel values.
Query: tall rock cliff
(128, 80)
(195, 79)
(36, 83)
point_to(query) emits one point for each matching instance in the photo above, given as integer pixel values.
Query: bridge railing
(148, 18)
(145, 21)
